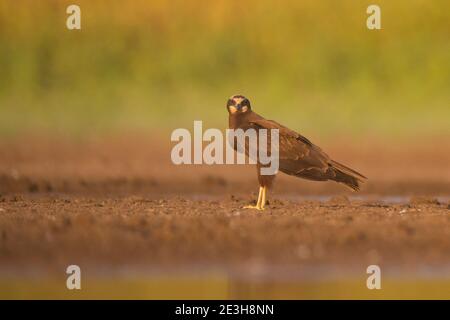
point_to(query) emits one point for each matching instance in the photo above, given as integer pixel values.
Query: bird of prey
(298, 156)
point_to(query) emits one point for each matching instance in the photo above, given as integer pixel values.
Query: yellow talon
(260, 204)
(253, 207)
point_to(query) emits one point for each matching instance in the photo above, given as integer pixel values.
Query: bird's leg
(263, 198)
(258, 203)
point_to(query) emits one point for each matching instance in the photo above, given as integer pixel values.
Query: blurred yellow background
(149, 65)
(223, 287)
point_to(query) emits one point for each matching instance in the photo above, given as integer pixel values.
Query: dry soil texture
(118, 204)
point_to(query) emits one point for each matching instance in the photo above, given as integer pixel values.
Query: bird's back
(298, 156)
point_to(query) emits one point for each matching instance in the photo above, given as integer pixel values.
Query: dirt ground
(118, 203)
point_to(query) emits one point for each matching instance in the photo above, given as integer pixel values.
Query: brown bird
(297, 155)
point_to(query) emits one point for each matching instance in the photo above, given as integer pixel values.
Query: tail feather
(346, 175)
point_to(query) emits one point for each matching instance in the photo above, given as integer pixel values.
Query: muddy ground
(118, 203)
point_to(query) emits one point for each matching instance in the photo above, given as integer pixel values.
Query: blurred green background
(157, 65)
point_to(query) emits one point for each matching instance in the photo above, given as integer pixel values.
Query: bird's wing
(296, 153)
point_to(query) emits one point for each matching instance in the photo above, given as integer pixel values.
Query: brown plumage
(297, 155)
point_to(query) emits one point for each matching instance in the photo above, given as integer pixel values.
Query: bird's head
(238, 104)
